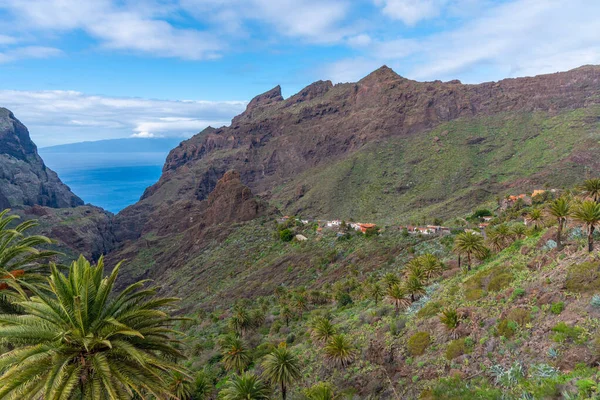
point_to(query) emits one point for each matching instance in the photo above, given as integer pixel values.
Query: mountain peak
(258, 103)
(381, 74)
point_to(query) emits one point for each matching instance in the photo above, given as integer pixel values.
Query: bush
(583, 277)
(455, 388)
(564, 333)
(286, 235)
(500, 282)
(519, 315)
(506, 328)
(482, 212)
(595, 301)
(455, 349)
(557, 307)
(343, 299)
(429, 310)
(418, 342)
(473, 294)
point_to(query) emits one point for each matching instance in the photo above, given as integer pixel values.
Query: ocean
(112, 181)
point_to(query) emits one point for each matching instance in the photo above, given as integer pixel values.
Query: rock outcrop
(24, 178)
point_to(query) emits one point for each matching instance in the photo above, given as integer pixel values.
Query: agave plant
(76, 340)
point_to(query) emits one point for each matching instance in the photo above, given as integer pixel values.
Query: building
(365, 227)
(334, 224)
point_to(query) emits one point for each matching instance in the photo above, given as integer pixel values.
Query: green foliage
(583, 277)
(455, 349)
(450, 318)
(77, 339)
(506, 328)
(245, 387)
(480, 213)
(455, 388)
(519, 315)
(322, 329)
(236, 356)
(417, 343)
(565, 333)
(281, 367)
(320, 391)
(474, 294)
(286, 235)
(430, 309)
(500, 282)
(557, 307)
(339, 351)
(343, 299)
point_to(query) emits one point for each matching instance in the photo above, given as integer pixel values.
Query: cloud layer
(57, 117)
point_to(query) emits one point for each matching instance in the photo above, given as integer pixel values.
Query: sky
(74, 70)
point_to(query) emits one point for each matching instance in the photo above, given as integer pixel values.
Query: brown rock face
(275, 140)
(24, 178)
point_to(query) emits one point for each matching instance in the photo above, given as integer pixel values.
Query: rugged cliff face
(24, 179)
(276, 140)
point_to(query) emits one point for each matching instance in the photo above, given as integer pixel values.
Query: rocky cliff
(276, 140)
(24, 179)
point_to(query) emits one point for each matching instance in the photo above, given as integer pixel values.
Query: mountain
(24, 178)
(123, 145)
(388, 148)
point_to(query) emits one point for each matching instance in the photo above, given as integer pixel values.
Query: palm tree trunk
(283, 391)
(591, 239)
(412, 297)
(559, 235)
(468, 261)
(397, 307)
(458, 260)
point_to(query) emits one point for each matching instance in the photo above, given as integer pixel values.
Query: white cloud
(56, 117)
(411, 11)
(521, 37)
(28, 52)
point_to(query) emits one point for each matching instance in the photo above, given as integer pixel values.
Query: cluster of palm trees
(418, 272)
(337, 348)
(70, 335)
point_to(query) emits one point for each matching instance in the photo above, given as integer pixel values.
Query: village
(342, 227)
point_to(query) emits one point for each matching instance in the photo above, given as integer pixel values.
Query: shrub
(583, 277)
(429, 310)
(418, 342)
(343, 299)
(506, 328)
(519, 292)
(557, 307)
(286, 235)
(455, 388)
(482, 212)
(595, 301)
(519, 315)
(564, 332)
(473, 294)
(455, 349)
(500, 282)
(450, 318)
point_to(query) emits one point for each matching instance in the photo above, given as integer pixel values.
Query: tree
(245, 387)
(391, 279)
(560, 209)
(519, 231)
(415, 268)
(398, 296)
(286, 313)
(415, 287)
(241, 320)
(376, 292)
(500, 237)
(76, 340)
(300, 304)
(469, 243)
(591, 188)
(536, 218)
(19, 260)
(281, 367)
(235, 354)
(339, 351)
(181, 386)
(431, 265)
(588, 213)
(323, 329)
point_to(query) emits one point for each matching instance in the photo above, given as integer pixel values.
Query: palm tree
(431, 265)
(79, 341)
(286, 313)
(245, 387)
(320, 391)
(339, 351)
(391, 279)
(469, 243)
(181, 386)
(591, 188)
(398, 296)
(323, 329)
(19, 260)
(235, 354)
(519, 231)
(500, 237)
(450, 318)
(281, 367)
(560, 209)
(203, 387)
(241, 320)
(588, 213)
(414, 287)
(300, 304)
(536, 218)
(415, 268)
(376, 292)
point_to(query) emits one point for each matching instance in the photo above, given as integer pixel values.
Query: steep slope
(281, 145)
(24, 178)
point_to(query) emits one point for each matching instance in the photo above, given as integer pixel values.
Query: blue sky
(75, 70)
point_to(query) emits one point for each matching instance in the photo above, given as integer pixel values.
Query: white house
(334, 224)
